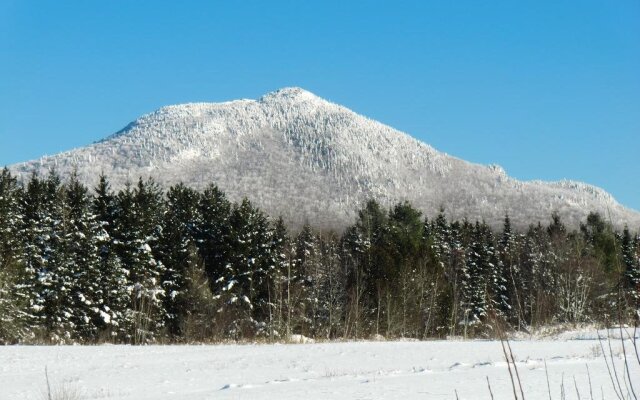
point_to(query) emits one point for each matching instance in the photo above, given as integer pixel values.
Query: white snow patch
(348, 370)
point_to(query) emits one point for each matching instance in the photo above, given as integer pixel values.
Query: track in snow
(360, 370)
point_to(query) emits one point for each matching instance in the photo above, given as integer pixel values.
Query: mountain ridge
(310, 160)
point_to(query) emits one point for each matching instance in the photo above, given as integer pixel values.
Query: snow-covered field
(356, 370)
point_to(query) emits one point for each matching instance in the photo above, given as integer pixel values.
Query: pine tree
(10, 219)
(104, 208)
(407, 270)
(497, 286)
(135, 235)
(441, 237)
(366, 253)
(305, 281)
(13, 298)
(48, 279)
(331, 288)
(509, 259)
(212, 233)
(79, 269)
(476, 276)
(539, 263)
(176, 246)
(244, 285)
(631, 264)
(32, 237)
(599, 235)
(112, 288)
(279, 295)
(199, 307)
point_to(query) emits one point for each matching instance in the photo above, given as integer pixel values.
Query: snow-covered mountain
(309, 160)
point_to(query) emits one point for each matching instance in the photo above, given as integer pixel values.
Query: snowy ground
(357, 370)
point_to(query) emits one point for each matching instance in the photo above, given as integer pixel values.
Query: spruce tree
(212, 232)
(407, 269)
(10, 219)
(279, 295)
(497, 278)
(13, 296)
(48, 279)
(366, 253)
(599, 234)
(199, 310)
(631, 265)
(176, 251)
(112, 287)
(306, 280)
(474, 282)
(539, 263)
(81, 263)
(135, 235)
(331, 288)
(509, 259)
(244, 285)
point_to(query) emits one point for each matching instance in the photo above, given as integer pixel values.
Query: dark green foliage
(176, 252)
(80, 267)
(305, 281)
(599, 235)
(135, 236)
(367, 266)
(142, 265)
(631, 264)
(48, 276)
(244, 280)
(113, 285)
(212, 232)
(10, 219)
(13, 297)
(476, 277)
(198, 312)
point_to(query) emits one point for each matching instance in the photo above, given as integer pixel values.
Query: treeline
(142, 265)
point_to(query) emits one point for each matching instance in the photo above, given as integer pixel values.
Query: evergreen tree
(279, 296)
(510, 263)
(112, 287)
(631, 264)
(497, 285)
(367, 288)
(253, 263)
(10, 219)
(538, 266)
(81, 263)
(441, 239)
(599, 235)
(199, 307)
(136, 233)
(331, 288)
(104, 207)
(212, 233)
(306, 280)
(244, 283)
(407, 270)
(176, 252)
(48, 279)
(476, 277)
(13, 297)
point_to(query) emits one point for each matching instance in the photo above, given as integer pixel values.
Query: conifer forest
(145, 265)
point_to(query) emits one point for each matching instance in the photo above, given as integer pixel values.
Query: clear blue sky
(547, 89)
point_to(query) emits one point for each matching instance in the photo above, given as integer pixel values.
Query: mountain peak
(323, 158)
(290, 94)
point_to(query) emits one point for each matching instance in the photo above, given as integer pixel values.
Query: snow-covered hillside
(360, 370)
(309, 160)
